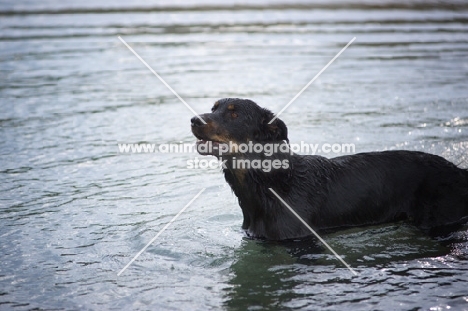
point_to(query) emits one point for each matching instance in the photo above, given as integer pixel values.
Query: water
(74, 211)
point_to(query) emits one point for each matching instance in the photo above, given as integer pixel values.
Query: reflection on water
(74, 211)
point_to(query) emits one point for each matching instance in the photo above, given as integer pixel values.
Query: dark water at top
(74, 211)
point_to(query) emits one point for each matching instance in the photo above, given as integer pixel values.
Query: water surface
(74, 211)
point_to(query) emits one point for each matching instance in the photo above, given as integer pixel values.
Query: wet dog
(329, 194)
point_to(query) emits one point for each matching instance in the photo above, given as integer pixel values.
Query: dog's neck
(248, 172)
(270, 160)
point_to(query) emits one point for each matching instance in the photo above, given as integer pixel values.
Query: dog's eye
(234, 115)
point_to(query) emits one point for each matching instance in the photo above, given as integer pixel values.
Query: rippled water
(74, 211)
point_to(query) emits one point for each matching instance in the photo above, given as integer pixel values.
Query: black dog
(356, 190)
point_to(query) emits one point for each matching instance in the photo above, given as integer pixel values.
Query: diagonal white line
(160, 232)
(162, 80)
(313, 231)
(311, 81)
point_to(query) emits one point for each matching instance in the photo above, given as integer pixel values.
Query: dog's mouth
(207, 146)
(213, 143)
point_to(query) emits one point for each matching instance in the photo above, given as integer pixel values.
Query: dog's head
(237, 121)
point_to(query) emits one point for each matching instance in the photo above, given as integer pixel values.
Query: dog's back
(394, 185)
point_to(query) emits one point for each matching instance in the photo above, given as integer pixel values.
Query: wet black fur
(355, 190)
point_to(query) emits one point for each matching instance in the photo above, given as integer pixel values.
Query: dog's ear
(279, 130)
(276, 131)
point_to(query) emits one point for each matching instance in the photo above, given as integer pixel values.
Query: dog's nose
(196, 121)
